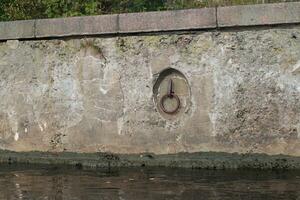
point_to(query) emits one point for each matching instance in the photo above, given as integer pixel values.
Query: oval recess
(168, 81)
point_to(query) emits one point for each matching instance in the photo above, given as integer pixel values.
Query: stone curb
(178, 20)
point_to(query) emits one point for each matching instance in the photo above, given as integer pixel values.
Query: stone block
(16, 30)
(266, 14)
(92, 25)
(167, 20)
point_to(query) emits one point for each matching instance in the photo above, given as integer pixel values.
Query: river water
(143, 183)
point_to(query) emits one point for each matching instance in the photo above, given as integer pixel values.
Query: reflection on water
(140, 184)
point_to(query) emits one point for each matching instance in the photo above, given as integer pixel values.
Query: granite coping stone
(265, 14)
(90, 25)
(167, 20)
(17, 30)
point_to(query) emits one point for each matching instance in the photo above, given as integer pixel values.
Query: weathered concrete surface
(266, 14)
(96, 94)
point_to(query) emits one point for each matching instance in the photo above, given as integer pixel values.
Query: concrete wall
(239, 87)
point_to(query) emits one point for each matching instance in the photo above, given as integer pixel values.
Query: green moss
(200, 160)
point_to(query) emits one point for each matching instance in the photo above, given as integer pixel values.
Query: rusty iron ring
(163, 99)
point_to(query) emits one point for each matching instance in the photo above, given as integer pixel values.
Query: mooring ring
(162, 105)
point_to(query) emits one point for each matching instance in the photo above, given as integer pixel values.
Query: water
(141, 184)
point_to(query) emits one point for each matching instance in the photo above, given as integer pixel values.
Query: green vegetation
(32, 9)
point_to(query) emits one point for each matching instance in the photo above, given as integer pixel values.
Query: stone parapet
(177, 20)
